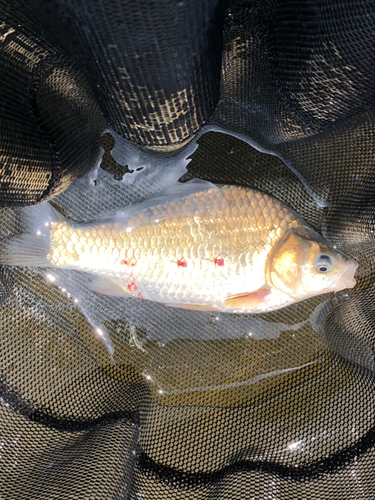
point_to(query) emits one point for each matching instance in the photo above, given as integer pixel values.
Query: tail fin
(24, 250)
(32, 247)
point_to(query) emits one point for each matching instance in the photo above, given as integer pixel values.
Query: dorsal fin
(177, 191)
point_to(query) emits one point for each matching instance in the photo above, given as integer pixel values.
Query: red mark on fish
(219, 262)
(132, 287)
(128, 263)
(140, 296)
(181, 263)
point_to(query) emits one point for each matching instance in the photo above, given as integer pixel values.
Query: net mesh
(186, 404)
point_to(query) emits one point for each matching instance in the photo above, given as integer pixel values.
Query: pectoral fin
(193, 307)
(248, 300)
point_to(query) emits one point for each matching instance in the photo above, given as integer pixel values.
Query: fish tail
(24, 250)
(31, 247)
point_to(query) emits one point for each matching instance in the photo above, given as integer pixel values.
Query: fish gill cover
(106, 104)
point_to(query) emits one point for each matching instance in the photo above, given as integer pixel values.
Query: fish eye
(323, 263)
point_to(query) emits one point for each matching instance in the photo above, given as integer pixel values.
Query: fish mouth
(347, 280)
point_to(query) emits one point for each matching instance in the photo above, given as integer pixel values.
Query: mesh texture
(193, 405)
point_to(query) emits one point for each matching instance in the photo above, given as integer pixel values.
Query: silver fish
(228, 248)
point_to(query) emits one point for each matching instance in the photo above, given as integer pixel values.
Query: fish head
(303, 264)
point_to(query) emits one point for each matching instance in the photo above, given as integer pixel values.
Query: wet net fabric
(189, 405)
(50, 122)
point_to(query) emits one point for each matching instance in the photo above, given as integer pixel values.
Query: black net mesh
(49, 119)
(114, 399)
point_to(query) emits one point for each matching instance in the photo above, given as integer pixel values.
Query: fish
(202, 247)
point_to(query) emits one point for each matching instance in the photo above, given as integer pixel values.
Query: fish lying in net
(203, 247)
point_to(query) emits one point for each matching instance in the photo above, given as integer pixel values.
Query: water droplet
(214, 320)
